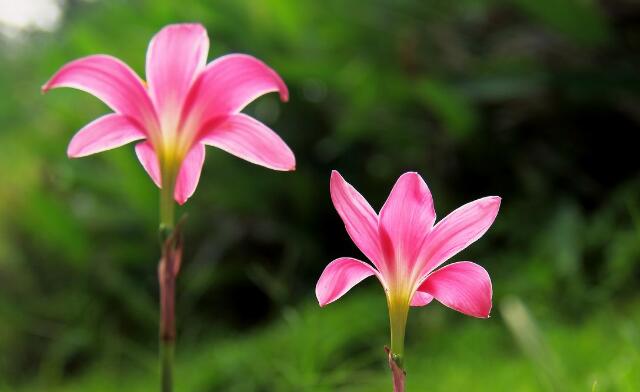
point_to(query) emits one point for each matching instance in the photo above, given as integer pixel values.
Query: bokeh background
(537, 101)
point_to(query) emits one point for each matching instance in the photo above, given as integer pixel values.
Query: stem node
(397, 372)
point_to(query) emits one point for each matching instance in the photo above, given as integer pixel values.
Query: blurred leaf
(55, 228)
(450, 106)
(580, 20)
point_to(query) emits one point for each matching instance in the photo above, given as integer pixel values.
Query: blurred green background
(537, 101)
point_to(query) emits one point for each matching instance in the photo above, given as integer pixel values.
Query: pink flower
(406, 250)
(185, 105)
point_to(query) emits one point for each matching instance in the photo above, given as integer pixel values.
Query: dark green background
(537, 101)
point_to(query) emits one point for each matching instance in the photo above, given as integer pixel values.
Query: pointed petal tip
(322, 300)
(336, 181)
(71, 151)
(410, 175)
(321, 303)
(494, 202)
(149, 161)
(336, 176)
(189, 174)
(181, 201)
(284, 93)
(48, 84)
(483, 315)
(283, 90)
(286, 167)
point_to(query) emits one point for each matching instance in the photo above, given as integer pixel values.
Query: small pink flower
(185, 105)
(406, 250)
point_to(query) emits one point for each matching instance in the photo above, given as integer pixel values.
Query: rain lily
(406, 249)
(184, 105)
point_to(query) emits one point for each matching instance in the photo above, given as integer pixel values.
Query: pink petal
(359, 218)
(420, 298)
(189, 174)
(250, 140)
(462, 286)
(110, 80)
(458, 230)
(107, 132)
(149, 160)
(406, 219)
(339, 277)
(230, 83)
(175, 57)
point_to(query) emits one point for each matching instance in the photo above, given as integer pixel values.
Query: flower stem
(398, 313)
(166, 358)
(168, 267)
(398, 374)
(167, 204)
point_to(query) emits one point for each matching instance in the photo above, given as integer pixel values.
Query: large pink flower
(185, 105)
(406, 250)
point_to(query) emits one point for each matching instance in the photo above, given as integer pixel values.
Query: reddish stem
(168, 269)
(397, 373)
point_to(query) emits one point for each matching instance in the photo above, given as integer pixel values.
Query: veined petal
(111, 81)
(359, 218)
(462, 286)
(189, 174)
(420, 298)
(228, 84)
(249, 139)
(149, 160)
(456, 231)
(175, 57)
(339, 277)
(406, 219)
(107, 132)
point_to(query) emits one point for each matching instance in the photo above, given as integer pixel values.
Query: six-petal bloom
(406, 249)
(184, 105)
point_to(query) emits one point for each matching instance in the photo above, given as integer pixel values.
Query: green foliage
(580, 20)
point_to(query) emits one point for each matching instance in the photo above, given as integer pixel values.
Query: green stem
(398, 313)
(166, 355)
(167, 203)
